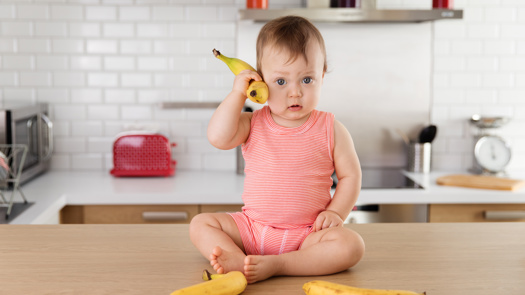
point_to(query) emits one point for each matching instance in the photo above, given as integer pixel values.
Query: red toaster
(142, 154)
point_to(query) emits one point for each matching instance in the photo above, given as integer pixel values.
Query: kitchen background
(104, 66)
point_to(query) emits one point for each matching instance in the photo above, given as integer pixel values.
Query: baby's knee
(355, 246)
(351, 247)
(199, 221)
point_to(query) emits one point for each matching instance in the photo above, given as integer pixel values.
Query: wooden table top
(441, 259)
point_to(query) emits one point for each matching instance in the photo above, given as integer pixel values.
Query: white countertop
(53, 190)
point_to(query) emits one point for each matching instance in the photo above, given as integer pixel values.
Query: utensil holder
(419, 157)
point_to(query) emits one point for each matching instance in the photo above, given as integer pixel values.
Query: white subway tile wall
(105, 65)
(477, 69)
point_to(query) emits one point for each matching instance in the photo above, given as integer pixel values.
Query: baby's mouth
(295, 107)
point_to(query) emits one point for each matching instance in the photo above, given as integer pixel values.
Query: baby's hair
(289, 33)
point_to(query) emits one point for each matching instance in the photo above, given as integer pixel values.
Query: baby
(290, 224)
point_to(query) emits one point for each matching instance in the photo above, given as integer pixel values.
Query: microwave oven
(29, 125)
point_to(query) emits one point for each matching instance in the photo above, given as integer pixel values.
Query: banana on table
(329, 288)
(232, 283)
(257, 90)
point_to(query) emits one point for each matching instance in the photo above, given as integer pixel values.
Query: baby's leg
(218, 239)
(324, 252)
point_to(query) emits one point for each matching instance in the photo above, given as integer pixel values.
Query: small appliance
(28, 125)
(142, 154)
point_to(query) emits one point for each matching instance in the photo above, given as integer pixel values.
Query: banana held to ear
(257, 90)
(329, 288)
(232, 283)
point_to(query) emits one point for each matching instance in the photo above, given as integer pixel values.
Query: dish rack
(12, 159)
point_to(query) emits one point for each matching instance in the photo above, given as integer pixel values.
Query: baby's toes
(249, 268)
(217, 251)
(219, 269)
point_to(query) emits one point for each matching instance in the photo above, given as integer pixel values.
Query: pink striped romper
(288, 180)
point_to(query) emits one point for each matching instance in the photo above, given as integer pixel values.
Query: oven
(29, 125)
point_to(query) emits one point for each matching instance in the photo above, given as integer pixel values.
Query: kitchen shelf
(352, 14)
(189, 105)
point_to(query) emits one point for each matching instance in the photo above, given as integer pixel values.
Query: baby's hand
(242, 81)
(327, 219)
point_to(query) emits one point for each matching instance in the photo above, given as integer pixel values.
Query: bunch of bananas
(257, 90)
(329, 288)
(232, 283)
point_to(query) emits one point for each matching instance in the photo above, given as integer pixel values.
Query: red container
(142, 155)
(442, 4)
(257, 4)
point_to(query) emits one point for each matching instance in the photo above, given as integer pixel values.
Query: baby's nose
(294, 91)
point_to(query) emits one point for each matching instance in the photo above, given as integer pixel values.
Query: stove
(384, 178)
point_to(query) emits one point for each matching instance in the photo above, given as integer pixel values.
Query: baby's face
(295, 87)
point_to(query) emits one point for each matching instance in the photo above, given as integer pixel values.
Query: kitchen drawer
(128, 214)
(220, 208)
(476, 212)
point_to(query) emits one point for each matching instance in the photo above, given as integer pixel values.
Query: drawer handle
(504, 215)
(165, 216)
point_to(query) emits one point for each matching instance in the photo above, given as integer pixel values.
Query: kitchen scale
(492, 153)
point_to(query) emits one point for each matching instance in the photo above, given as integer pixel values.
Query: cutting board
(481, 181)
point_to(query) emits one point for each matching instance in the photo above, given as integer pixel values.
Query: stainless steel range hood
(353, 14)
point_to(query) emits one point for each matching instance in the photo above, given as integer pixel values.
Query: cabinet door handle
(504, 215)
(164, 216)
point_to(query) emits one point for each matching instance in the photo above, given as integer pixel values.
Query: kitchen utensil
(481, 181)
(142, 154)
(403, 136)
(428, 134)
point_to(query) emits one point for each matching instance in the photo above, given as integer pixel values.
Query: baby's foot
(225, 261)
(258, 268)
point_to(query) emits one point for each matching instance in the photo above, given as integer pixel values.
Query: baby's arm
(348, 172)
(229, 127)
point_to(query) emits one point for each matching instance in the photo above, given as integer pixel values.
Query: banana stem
(216, 52)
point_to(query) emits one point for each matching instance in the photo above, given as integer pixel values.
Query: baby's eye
(281, 81)
(307, 80)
